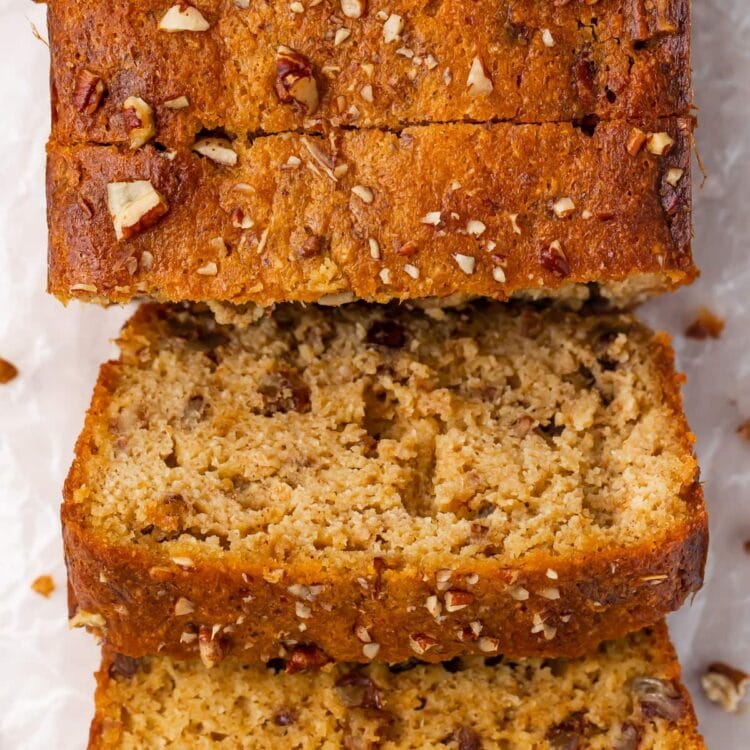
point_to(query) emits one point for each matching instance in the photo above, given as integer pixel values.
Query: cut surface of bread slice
(626, 695)
(270, 68)
(372, 481)
(437, 211)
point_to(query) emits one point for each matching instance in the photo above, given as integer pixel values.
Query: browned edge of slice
(107, 723)
(546, 62)
(308, 234)
(603, 594)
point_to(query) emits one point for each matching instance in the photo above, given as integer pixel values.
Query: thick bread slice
(535, 62)
(435, 211)
(626, 695)
(372, 481)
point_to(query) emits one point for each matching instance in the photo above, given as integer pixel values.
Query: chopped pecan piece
(88, 92)
(306, 657)
(295, 82)
(553, 259)
(386, 333)
(725, 685)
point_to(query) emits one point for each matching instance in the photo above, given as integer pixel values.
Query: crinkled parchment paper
(45, 671)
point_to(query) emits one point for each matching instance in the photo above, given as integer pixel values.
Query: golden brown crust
(628, 223)
(612, 59)
(649, 652)
(603, 594)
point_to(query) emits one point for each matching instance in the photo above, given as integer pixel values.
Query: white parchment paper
(45, 671)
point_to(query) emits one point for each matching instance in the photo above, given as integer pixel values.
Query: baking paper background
(46, 686)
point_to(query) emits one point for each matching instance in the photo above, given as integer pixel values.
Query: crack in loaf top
(169, 71)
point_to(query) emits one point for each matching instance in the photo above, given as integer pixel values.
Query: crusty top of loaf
(335, 436)
(474, 210)
(545, 61)
(626, 695)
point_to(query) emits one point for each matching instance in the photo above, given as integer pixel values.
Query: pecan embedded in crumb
(124, 666)
(706, 325)
(43, 585)
(725, 685)
(467, 739)
(386, 333)
(744, 430)
(357, 690)
(284, 717)
(657, 697)
(8, 371)
(284, 391)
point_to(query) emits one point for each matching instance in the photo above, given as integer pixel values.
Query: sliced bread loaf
(371, 481)
(468, 210)
(624, 696)
(358, 63)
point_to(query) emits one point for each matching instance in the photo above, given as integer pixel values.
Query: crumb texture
(339, 435)
(625, 695)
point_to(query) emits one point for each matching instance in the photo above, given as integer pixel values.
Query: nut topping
(635, 141)
(183, 17)
(421, 643)
(295, 82)
(370, 650)
(554, 260)
(218, 150)
(364, 193)
(310, 247)
(179, 102)
(88, 92)
(674, 175)
(563, 207)
(475, 227)
(392, 28)
(659, 143)
(408, 249)
(139, 120)
(134, 207)
(353, 8)
(478, 80)
(432, 217)
(465, 262)
(456, 600)
(211, 649)
(183, 606)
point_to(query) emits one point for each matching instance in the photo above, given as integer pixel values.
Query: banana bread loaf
(381, 482)
(435, 211)
(262, 66)
(626, 695)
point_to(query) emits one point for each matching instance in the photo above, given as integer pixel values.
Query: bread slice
(625, 695)
(403, 62)
(467, 210)
(372, 481)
